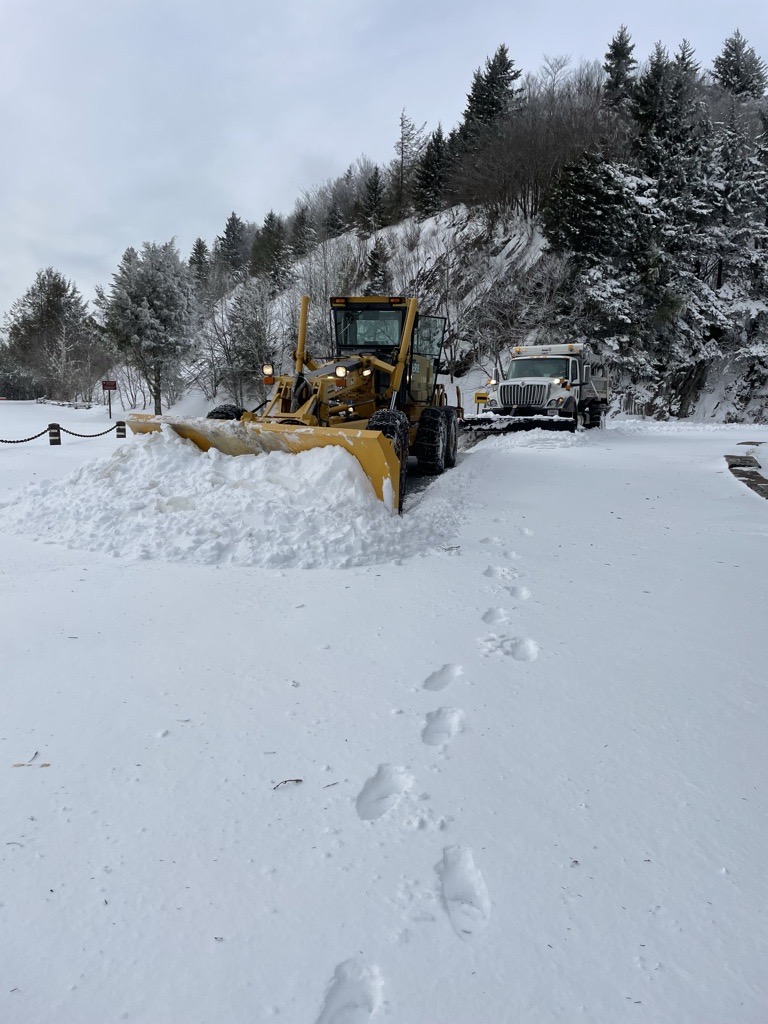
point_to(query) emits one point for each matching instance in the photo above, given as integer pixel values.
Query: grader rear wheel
(432, 440)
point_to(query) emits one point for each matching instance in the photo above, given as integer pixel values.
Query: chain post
(54, 433)
(120, 428)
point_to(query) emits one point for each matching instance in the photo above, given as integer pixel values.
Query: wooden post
(54, 433)
(120, 428)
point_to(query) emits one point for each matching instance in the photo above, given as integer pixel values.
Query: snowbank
(161, 498)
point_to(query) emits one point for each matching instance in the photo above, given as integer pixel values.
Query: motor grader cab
(376, 327)
(378, 397)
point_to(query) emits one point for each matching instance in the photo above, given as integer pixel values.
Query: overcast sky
(123, 121)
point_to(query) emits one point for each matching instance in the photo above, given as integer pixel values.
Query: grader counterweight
(378, 397)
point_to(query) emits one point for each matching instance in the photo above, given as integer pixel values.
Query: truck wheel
(394, 424)
(225, 412)
(594, 415)
(574, 413)
(432, 440)
(452, 443)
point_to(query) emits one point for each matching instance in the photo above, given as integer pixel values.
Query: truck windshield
(538, 367)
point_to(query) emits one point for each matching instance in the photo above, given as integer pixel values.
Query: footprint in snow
(498, 572)
(442, 677)
(441, 726)
(353, 995)
(519, 593)
(382, 791)
(495, 616)
(517, 647)
(464, 892)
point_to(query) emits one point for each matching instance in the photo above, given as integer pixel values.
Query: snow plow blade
(371, 448)
(490, 425)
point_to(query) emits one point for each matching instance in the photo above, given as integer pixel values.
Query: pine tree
(619, 68)
(302, 236)
(149, 312)
(651, 109)
(489, 98)
(51, 335)
(199, 264)
(250, 345)
(333, 222)
(377, 270)
(741, 226)
(739, 70)
(270, 253)
(231, 248)
(605, 219)
(431, 176)
(370, 217)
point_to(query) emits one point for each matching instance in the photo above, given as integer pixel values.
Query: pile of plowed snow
(162, 498)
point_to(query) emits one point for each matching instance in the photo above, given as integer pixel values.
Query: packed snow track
(272, 753)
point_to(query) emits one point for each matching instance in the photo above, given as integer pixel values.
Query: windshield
(368, 329)
(549, 367)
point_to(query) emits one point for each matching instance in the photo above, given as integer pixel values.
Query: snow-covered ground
(529, 722)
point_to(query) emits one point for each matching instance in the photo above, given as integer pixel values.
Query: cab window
(425, 356)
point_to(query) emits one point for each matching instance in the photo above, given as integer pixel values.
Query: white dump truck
(555, 386)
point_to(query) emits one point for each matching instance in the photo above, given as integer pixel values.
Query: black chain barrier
(24, 440)
(54, 431)
(73, 434)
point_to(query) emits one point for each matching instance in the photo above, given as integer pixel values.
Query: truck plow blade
(489, 426)
(371, 448)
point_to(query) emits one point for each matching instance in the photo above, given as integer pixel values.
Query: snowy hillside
(505, 766)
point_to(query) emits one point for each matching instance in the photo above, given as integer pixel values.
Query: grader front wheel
(394, 424)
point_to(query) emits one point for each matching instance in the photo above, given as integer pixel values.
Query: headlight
(555, 402)
(341, 371)
(268, 369)
(367, 371)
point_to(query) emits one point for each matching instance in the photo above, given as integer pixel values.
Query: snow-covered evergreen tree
(51, 337)
(619, 66)
(431, 177)
(149, 312)
(739, 70)
(231, 248)
(270, 254)
(489, 98)
(301, 235)
(200, 266)
(371, 208)
(377, 271)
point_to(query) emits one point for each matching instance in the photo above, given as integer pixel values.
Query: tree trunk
(156, 388)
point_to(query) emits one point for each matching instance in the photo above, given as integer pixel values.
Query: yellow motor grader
(378, 397)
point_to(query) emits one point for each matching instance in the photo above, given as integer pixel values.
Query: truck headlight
(554, 402)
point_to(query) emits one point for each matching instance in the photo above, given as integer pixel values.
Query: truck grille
(523, 394)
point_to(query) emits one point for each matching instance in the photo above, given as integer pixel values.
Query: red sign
(109, 385)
